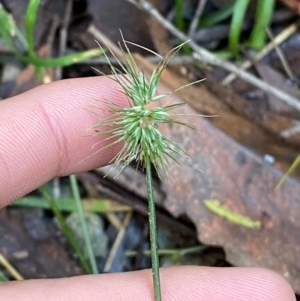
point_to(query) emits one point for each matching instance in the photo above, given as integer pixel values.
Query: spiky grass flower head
(137, 126)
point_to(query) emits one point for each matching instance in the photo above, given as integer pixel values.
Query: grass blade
(63, 60)
(239, 12)
(30, 20)
(217, 17)
(264, 13)
(67, 231)
(179, 22)
(67, 204)
(7, 27)
(85, 232)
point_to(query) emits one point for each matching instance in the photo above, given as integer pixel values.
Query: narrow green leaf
(217, 17)
(63, 60)
(7, 27)
(264, 13)
(66, 229)
(179, 14)
(67, 204)
(30, 20)
(239, 12)
(80, 211)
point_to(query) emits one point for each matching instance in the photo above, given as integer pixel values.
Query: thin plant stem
(197, 16)
(289, 172)
(85, 232)
(66, 204)
(67, 231)
(10, 268)
(117, 242)
(153, 234)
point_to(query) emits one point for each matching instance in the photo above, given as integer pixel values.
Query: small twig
(286, 33)
(114, 220)
(162, 252)
(117, 242)
(197, 16)
(100, 36)
(19, 255)
(282, 58)
(205, 56)
(10, 268)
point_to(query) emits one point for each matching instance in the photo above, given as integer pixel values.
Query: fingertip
(234, 284)
(44, 132)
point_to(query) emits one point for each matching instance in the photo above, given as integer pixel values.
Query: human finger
(43, 132)
(187, 283)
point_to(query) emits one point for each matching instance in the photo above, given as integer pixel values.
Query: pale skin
(43, 134)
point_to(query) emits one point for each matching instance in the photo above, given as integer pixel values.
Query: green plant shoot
(236, 218)
(136, 126)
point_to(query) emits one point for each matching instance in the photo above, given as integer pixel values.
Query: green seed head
(137, 126)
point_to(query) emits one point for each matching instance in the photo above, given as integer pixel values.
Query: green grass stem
(9, 30)
(67, 231)
(88, 243)
(67, 204)
(62, 61)
(264, 13)
(217, 17)
(153, 234)
(239, 12)
(179, 22)
(30, 20)
(7, 27)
